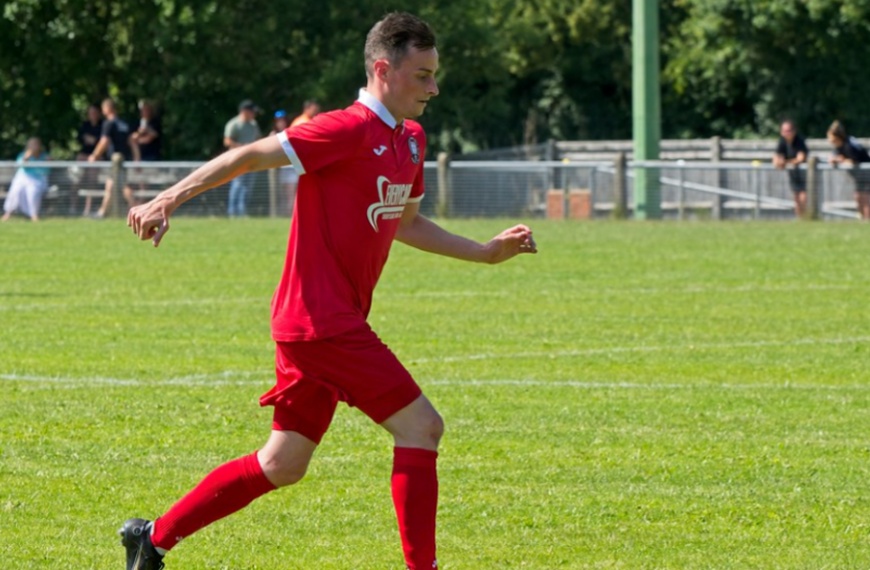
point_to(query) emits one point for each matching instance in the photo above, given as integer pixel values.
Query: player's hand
(510, 243)
(150, 220)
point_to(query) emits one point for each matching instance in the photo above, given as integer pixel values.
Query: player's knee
(437, 428)
(429, 429)
(283, 471)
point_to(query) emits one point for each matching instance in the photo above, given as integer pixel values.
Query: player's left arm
(422, 233)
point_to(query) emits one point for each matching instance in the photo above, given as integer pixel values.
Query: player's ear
(381, 67)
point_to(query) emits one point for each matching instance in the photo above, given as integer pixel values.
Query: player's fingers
(164, 227)
(528, 245)
(516, 233)
(160, 232)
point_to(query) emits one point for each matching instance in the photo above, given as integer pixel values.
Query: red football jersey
(357, 169)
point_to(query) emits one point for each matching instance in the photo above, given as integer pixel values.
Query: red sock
(224, 491)
(415, 496)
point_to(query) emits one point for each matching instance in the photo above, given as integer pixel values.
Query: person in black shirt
(149, 134)
(791, 152)
(849, 152)
(116, 138)
(89, 132)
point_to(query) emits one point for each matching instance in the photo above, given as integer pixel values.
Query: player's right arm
(151, 220)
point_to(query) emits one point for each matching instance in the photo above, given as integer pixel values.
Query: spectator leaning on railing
(848, 151)
(791, 151)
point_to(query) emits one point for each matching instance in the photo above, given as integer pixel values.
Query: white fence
(589, 189)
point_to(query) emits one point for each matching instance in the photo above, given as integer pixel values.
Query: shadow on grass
(28, 295)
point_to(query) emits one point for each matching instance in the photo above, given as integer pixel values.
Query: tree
(512, 71)
(739, 66)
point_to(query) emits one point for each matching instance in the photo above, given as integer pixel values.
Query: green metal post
(646, 99)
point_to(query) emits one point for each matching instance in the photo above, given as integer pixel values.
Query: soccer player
(361, 182)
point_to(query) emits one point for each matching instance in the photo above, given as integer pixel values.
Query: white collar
(377, 107)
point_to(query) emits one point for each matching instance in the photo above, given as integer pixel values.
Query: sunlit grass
(638, 395)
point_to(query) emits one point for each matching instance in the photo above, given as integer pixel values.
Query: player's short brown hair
(391, 37)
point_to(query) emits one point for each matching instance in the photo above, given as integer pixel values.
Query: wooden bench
(144, 183)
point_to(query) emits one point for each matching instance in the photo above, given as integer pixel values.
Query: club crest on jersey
(392, 201)
(415, 150)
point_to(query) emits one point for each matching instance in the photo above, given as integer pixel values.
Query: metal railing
(555, 189)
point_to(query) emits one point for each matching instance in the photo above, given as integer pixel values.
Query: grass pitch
(638, 395)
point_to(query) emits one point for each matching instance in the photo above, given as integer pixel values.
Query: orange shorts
(355, 367)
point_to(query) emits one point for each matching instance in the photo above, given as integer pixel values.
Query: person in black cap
(241, 130)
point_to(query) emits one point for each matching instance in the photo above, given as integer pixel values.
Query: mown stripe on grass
(625, 349)
(263, 379)
(104, 302)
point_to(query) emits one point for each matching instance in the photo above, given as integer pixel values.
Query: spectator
(115, 138)
(287, 176)
(29, 183)
(848, 151)
(279, 122)
(239, 131)
(309, 110)
(149, 134)
(89, 134)
(791, 152)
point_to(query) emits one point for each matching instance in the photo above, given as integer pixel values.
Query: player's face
(412, 82)
(787, 131)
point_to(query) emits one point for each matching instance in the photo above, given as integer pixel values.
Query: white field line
(648, 386)
(263, 377)
(103, 302)
(627, 349)
(244, 379)
(106, 301)
(193, 380)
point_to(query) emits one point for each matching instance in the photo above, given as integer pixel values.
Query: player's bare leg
(416, 430)
(285, 457)
(227, 489)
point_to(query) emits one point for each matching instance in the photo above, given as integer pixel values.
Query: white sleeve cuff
(290, 152)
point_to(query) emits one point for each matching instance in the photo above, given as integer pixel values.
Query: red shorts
(354, 367)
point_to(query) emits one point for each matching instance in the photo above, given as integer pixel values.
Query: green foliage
(519, 71)
(742, 66)
(652, 396)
